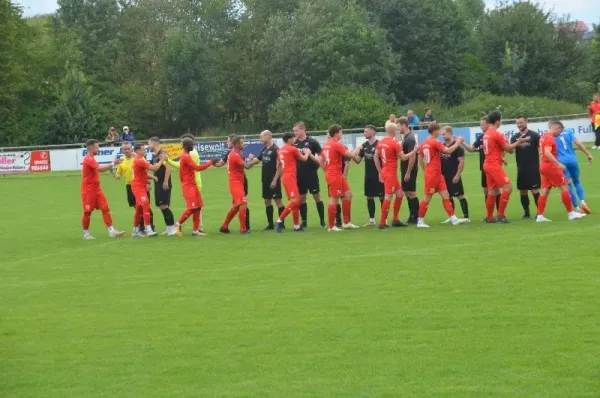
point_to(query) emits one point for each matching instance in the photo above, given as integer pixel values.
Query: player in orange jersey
(494, 146)
(332, 161)
(386, 161)
(287, 158)
(92, 196)
(430, 159)
(553, 175)
(139, 186)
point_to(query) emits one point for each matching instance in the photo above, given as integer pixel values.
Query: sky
(583, 10)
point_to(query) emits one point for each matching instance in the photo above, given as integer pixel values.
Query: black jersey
(308, 167)
(226, 156)
(478, 145)
(527, 154)
(450, 161)
(408, 145)
(162, 170)
(367, 152)
(268, 157)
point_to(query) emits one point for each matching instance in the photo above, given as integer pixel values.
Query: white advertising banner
(14, 162)
(581, 127)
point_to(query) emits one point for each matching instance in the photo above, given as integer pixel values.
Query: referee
(373, 188)
(409, 170)
(125, 169)
(162, 186)
(528, 164)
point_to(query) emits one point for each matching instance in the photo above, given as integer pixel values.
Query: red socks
(423, 209)
(186, 214)
(490, 203)
(85, 221)
(541, 206)
(232, 212)
(346, 206)
(196, 220)
(295, 213)
(397, 206)
(503, 202)
(107, 218)
(242, 214)
(137, 216)
(448, 207)
(385, 209)
(331, 210)
(565, 196)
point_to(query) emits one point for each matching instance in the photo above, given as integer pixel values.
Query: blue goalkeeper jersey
(565, 149)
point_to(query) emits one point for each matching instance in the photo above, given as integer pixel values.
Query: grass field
(475, 310)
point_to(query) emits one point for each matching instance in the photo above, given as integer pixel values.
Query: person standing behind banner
(594, 111)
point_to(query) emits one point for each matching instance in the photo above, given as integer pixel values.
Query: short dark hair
(300, 124)
(236, 139)
(433, 127)
(155, 139)
(187, 144)
(371, 127)
(556, 122)
(187, 135)
(427, 109)
(288, 136)
(137, 147)
(403, 121)
(89, 143)
(494, 117)
(334, 129)
(521, 117)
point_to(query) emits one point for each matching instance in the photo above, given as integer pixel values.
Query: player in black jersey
(162, 186)
(409, 169)
(271, 184)
(528, 164)
(222, 162)
(453, 165)
(373, 187)
(308, 178)
(478, 147)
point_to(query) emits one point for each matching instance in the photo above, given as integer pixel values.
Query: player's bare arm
(278, 173)
(408, 156)
(167, 176)
(422, 162)
(548, 155)
(106, 167)
(306, 156)
(377, 162)
(511, 147)
(583, 149)
(346, 168)
(470, 148)
(461, 167)
(452, 148)
(353, 155)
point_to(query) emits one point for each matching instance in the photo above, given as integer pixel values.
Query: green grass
(475, 310)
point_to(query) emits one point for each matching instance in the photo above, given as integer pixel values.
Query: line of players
(295, 166)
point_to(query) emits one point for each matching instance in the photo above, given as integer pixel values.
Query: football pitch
(473, 310)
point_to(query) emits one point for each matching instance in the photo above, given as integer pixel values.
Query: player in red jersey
(494, 146)
(236, 166)
(386, 161)
(287, 158)
(139, 187)
(331, 160)
(594, 112)
(92, 196)
(553, 175)
(430, 159)
(189, 188)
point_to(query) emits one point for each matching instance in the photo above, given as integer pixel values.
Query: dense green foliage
(222, 65)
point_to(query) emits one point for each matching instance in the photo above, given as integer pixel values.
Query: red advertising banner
(40, 162)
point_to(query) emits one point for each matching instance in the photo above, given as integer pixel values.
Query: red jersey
(235, 168)
(431, 150)
(389, 150)
(594, 109)
(89, 171)
(288, 156)
(493, 147)
(188, 169)
(140, 174)
(334, 155)
(546, 141)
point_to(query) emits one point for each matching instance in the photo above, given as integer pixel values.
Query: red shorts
(338, 186)
(552, 177)
(238, 195)
(192, 197)
(496, 176)
(291, 188)
(93, 200)
(391, 184)
(141, 198)
(434, 183)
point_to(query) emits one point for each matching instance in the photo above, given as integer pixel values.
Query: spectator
(127, 136)
(112, 136)
(392, 119)
(428, 118)
(413, 120)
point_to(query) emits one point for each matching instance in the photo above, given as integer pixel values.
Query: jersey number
(383, 158)
(562, 139)
(282, 162)
(426, 155)
(485, 145)
(326, 154)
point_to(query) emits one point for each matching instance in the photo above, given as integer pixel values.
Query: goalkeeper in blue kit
(566, 143)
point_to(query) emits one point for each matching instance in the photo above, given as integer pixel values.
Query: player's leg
(542, 201)
(464, 206)
(572, 192)
(492, 192)
(102, 204)
(247, 216)
(574, 173)
(162, 199)
(86, 201)
(334, 195)
(442, 189)
(423, 206)
(409, 187)
(338, 216)
(291, 190)
(270, 212)
(138, 218)
(371, 210)
(319, 203)
(279, 203)
(303, 189)
(243, 214)
(346, 205)
(524, 186)
(397, 206)
(504, 198)
(388, 187)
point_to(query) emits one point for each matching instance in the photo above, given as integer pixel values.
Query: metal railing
(278, 135)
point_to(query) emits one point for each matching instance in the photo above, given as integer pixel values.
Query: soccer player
(386, 161)
(196, 158)
(308, 178)
(338, 212)
(271, 185)
(553, 174)
(566, 156)
(331, 160)
(373, 187)
(92, 196)
(494, 146)
(162, 186)
(189, 187)
(528, 164)
(409, 169)
(139, 187)
(594, 111)
(453, 165)
(431, 163)
(236, 170)
(287, 166)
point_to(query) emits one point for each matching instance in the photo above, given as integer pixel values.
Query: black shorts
(161, 197)
(308, 183)
(410, 185)
(130, 196)
(268, 193)
(454, 190)
(528, 178)
(483, 180)
(374, 188)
